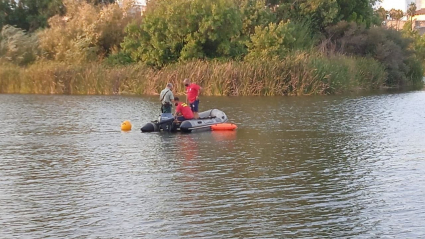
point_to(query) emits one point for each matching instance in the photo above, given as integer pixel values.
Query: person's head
(186, 82)
(176, 101)
(170, 86)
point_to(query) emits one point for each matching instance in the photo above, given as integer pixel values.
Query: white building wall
(419, 18)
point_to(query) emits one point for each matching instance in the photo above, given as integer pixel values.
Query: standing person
(183, 111)
(192, 94)
(166, 97)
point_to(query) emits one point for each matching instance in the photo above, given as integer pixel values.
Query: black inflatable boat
(166, 122)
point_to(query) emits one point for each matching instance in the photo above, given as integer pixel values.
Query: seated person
(183, 111)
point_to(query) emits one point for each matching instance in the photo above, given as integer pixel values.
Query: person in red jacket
(192, 94)
(183, 111)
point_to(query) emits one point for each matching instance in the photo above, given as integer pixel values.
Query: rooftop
(420, 11)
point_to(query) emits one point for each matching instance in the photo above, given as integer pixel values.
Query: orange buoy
(224, 126)
(126, 125)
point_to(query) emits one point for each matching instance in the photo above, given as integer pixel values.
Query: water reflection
(187, 146)
(296, 167)
(224, 136)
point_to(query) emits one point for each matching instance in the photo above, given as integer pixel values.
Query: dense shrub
(86, 33)
(234, 47)
(255, 14)
(270, 42)
(117, 59)
(17, 46)
(385, 45)
(184, 29)
(274, 41)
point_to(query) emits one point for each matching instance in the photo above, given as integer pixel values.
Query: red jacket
(185, 110)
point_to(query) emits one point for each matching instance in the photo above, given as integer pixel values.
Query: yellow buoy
(126, 125)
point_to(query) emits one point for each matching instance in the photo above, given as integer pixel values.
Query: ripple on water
(313, 167)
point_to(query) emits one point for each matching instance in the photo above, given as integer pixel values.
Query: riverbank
(297, 74)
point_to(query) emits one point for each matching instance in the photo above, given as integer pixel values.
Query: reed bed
(296, 74)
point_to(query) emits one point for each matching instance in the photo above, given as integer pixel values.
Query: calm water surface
(297, 167)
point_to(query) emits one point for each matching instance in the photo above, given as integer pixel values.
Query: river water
(297, 167)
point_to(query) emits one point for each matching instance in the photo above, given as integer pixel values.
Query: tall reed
(297, 74)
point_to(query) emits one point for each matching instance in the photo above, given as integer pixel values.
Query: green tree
(322, 13)
(87, 32)
(271, 41)
(411, 12)
(392, 13)
(381, 14)
(319, 13)
(5, 12)
(359, 11)
(399, 15)
(255, 14)
(273, 2)
(396, 15)
(418, 43)
(32, 14)
(185, 29)
(419, 47)
(97, 2)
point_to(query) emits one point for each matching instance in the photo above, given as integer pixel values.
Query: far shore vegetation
(229, 47)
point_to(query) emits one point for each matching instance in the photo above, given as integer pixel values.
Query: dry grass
(297, 74)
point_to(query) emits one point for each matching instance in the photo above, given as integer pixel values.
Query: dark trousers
(166, 108)
(181, 118)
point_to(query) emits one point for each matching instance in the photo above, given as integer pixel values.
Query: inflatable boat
(206, 119)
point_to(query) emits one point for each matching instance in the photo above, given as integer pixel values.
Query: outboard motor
(165, 122)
